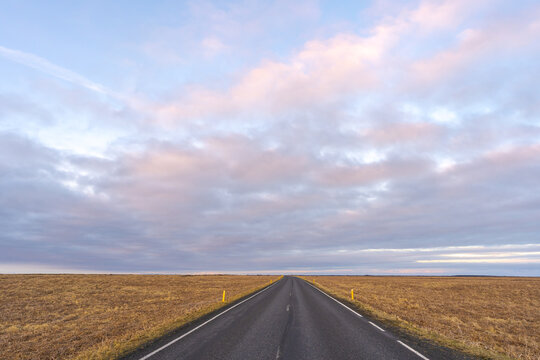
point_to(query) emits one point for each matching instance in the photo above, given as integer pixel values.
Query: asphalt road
(289, 320)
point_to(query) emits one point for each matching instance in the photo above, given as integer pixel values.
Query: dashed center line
(278, 354)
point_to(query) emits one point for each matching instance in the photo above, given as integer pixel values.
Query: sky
(307, 137)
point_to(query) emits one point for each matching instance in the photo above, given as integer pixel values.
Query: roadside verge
(408, 330)
(131, 347)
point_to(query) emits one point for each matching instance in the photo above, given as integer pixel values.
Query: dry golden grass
(485, 316)
(104, 316)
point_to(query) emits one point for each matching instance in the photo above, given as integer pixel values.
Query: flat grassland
(104, 316)
(490, 317)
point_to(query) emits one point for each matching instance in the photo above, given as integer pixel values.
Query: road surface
(291, 319)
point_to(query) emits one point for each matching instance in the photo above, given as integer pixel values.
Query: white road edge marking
(204, 323)
(340, 303)
(348, 308)
(414, 351)
(378, 327)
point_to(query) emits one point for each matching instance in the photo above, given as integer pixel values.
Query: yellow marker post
(352, 294)
(223, 296)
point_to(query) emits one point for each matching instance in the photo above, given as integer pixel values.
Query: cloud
(20, 108)
(320, 73)
(212, 46)
(242, 28)
(198, 203)
(338, 70)
(498, 38)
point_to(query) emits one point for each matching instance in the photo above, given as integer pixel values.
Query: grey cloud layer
(239, 207)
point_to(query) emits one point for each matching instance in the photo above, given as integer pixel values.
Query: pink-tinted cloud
(322, 72)
(502, 37)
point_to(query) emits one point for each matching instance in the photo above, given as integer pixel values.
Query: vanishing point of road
(289, 319)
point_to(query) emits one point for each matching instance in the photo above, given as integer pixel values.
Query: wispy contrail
(47, 67)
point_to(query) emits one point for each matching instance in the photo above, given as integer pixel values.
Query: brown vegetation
(486, 316)
(104, 316)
